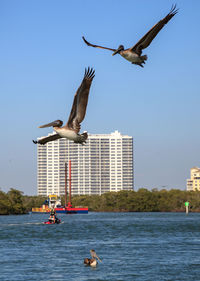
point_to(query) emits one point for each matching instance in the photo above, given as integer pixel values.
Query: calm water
(132, 246)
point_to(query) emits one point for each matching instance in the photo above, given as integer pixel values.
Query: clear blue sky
(42, 64)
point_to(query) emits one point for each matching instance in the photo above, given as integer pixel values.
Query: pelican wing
(80, 101)
(47, 139)
(146, 40)
(96, 46)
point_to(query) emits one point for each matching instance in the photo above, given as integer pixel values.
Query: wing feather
(146, 40)
(47, 139)
(80, 101)
(97, 46)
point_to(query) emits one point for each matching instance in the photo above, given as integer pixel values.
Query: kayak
(49, 222)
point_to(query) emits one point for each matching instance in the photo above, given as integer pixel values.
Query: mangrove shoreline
(143, 200)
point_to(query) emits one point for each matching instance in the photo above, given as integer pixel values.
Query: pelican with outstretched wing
(71, 129)
(93, 261)
(133, 54)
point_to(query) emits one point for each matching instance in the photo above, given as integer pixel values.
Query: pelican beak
(117, 51)
(57, 123)
(99, 259)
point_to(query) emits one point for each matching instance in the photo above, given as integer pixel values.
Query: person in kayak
(52, 217)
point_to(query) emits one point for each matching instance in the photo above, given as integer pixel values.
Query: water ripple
(132, 246)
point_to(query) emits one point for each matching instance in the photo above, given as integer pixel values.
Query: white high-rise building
(103, 164)
(194, 182)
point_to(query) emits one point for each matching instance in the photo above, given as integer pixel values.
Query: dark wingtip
(86, 42)
(89, 73)
(173, 10)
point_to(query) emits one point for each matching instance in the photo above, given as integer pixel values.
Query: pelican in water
(93, 261)
(71, 129)
(133, 54)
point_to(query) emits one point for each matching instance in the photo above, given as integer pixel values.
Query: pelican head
(56, 123)
(120, 48)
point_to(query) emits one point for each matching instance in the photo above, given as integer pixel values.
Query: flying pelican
(93, 261)
(133, 54)
(72, 127)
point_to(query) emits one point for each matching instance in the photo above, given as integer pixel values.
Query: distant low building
(103, 164)
(194, 182)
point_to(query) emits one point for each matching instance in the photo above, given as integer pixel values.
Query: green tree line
(14, 202)
(143, 200)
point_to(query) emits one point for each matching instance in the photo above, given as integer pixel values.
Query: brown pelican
(93, 261)
(133, 54)
(72, 127)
